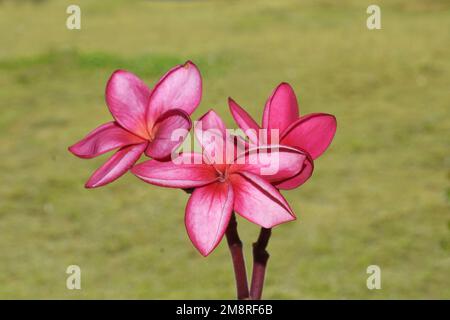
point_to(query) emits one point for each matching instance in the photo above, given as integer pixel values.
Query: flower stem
(260, 257)
(235, 245)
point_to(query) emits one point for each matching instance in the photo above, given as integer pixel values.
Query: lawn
(380, 194)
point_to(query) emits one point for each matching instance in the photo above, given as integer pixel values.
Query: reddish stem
(235, 245)
(260, 257)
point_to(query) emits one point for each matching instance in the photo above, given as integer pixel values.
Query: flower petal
(169, 132)
(274, 163)
(313, 133)
(186, 171)
(107, 137)
(211, 121)
(281, 108)
(116, 166)
(180, 88)
(258, 201)
(244, 121)
(300, 178)
(208, 213)
(217, 145)
(127, 97)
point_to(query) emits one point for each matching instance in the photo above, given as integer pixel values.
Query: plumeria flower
(223, 187)
(144, 120)
(311, 133)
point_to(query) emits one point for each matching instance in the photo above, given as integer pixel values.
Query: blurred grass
(380, 195)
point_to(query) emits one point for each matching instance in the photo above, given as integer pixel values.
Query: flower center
(223, 176)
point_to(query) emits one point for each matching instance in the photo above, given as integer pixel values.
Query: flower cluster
(230, 173)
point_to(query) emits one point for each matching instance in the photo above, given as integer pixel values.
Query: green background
(379, 195)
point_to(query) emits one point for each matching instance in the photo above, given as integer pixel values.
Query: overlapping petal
(127, 97)
(107, 137)
(300, 178)
(116, 166)
(313, 133)
(218, 147)
(168, 133)
(180, 88)
(281, 108)
(208, 213)
(186, 171)
(275, 163)
(258, 201)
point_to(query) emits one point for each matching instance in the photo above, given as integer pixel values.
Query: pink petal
(244, 121)
(313, 133)
(116, 166)
(186, 171)
(300, 178)
(180, 88)
(218, 147)
(274, 163)
(281, 108)
(211, 121)
(127, 98)
(168, 133)
(258, 201)
(104, 138)
(208, 213)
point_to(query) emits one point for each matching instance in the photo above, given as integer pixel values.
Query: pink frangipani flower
(221, 188)
(311, 133)
(144, 120)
